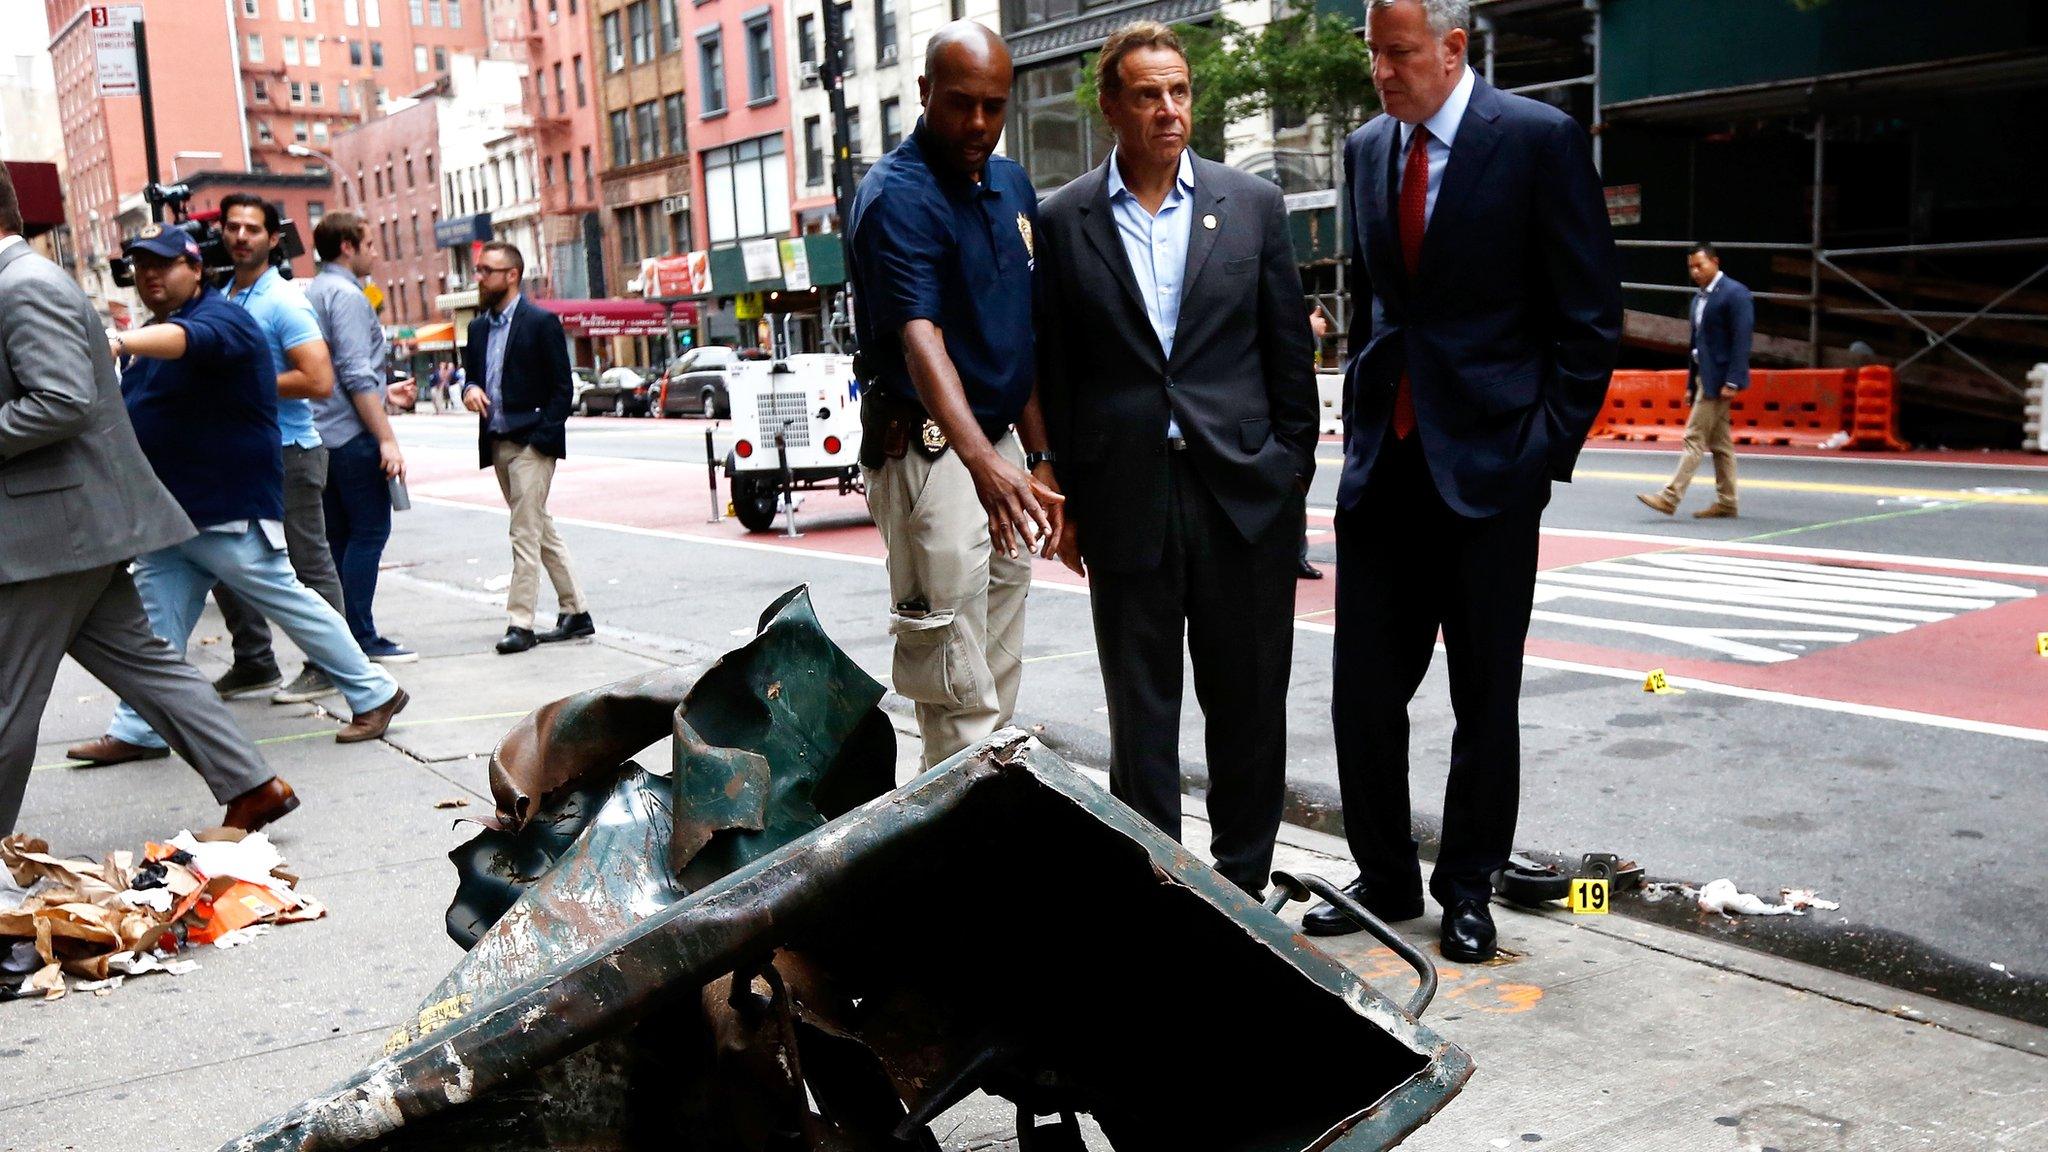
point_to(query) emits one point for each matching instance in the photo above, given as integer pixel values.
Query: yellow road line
(2025, 499)
(329, 732)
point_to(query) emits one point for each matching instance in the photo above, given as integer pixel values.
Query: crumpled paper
(85, 920)
(1724, 897)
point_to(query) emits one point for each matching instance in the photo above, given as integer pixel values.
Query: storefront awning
(434, 337)
(606, 318)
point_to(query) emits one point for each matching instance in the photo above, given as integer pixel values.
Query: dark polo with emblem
(925, 244)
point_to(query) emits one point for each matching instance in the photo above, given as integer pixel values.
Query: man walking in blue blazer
(517, 364)
(1723, 318)
(1486, 318)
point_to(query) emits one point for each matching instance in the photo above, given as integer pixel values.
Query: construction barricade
(1807, 407)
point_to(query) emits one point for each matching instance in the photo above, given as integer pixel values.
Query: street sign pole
(156, 204)
(833, 76)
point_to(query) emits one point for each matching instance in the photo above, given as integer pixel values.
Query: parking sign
(113, 50)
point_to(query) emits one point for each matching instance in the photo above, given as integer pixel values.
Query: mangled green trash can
(772, 948)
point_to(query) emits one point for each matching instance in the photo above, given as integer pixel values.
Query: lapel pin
(1209, 222)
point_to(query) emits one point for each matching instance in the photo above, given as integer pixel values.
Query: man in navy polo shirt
(202, 394)
(954, 450)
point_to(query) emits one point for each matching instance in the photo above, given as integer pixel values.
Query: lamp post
(305, 153)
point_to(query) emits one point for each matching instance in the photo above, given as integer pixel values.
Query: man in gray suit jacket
(77, 501)
(1178, 373)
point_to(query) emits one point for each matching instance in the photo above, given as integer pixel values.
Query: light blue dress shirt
(356, 342)
(1157, 247)
(1443, 130)
(286, 317)
(494, 360)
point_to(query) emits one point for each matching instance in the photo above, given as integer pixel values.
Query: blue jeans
(358, 503)
(174, 580)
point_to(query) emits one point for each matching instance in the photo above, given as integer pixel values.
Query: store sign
(700, 273)
(796, 265)
(460, 230)
(667, 277)
(113, 50)
(763, 259)
(1624, 204)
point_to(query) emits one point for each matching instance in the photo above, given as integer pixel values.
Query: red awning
(40, 195)
(604, 318)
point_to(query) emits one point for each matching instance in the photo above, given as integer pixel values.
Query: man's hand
(1044, 480)
(476, 400)
(405, 394)
(1067, 549)
(391, 459)
(1016, 503)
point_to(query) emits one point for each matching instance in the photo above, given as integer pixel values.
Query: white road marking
(1635, 675)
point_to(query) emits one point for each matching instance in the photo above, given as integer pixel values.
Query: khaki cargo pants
(956, 609)
(1707, 433)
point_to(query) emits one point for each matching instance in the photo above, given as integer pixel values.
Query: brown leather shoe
(260, 805)
(1658, 501)
(1715, 512)
(107, 750)
(372, 724)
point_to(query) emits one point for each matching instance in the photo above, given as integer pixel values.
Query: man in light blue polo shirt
(252, 227)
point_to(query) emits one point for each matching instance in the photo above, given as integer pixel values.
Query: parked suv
(699, 382)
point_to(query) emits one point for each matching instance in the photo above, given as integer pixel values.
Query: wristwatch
(1034, 459)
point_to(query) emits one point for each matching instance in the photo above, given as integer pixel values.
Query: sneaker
(385, 652)
(312, 684)
(247, 680)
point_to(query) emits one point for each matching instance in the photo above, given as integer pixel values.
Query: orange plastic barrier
(1794, 406)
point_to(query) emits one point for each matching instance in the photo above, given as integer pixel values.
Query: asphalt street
(1862, 709)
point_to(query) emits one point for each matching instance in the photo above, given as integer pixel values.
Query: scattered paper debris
(103, 922)
(1724, 897)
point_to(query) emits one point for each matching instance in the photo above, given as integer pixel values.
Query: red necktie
(1414, 214)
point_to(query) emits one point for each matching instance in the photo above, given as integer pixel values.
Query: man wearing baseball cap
(77, 501)
(202, 394)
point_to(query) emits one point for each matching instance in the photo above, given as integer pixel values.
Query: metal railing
(1827, 259)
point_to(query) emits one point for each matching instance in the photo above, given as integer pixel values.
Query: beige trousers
(524, 476)
(1706, 431)
(956, 608)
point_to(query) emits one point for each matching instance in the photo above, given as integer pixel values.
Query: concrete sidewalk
(1595, 1033)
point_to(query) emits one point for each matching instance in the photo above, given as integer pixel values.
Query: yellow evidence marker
(1656, 683)
(1589, 896)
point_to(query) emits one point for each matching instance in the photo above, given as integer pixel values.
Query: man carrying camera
(201, 391)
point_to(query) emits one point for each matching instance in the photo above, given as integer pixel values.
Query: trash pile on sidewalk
(104, 922)
(1724, 897)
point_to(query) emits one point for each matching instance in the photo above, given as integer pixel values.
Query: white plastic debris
(251, 858)
(1724, 897)
(241, 936)
(157, 900)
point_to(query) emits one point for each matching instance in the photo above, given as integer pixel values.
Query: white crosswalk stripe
(1665, 596)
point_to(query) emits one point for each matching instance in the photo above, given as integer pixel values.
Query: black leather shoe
(568, 627)
(1307, 571)
(516, 640)
(1325, 920)
(1468, 933)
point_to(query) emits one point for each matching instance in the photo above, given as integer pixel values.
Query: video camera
(204, 229)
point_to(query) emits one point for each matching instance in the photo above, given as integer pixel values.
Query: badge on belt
(932, 438)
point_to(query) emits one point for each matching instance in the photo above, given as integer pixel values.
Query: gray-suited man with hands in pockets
(77, 501)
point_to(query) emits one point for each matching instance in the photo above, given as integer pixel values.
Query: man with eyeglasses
(519, 386)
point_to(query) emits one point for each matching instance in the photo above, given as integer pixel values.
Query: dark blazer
(76, 492)
(1241, 383)
(1509, 334)
(536, 384)
(1722, 337)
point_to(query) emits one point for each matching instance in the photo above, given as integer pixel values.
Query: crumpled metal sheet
(781, 982)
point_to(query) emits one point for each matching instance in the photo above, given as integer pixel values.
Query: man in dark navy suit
(1723, 318)
(1486, 320)
(517, 365)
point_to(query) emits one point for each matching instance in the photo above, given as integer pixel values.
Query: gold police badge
(150, 231)
(933, 436)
